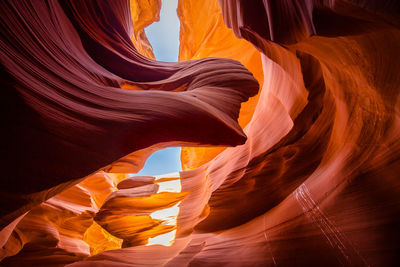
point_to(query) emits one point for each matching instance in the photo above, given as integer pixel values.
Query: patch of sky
(164, 34)
(164, 161)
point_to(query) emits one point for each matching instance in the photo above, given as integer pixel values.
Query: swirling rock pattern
(66, 110)
(312, 179)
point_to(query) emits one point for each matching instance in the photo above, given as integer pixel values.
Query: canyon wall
(300, 170)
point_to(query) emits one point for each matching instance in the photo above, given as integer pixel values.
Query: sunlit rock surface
(66, 115)
(316, 182)
(211, 38)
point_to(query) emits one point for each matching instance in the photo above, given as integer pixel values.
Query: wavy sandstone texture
(312, 179)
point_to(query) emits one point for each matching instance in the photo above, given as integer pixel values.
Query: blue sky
(162, 162)
(164, 37)
(164, 34)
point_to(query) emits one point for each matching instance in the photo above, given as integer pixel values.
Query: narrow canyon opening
(164, 164)
(163, 36)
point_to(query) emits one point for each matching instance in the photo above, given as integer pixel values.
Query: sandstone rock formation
(312, 179)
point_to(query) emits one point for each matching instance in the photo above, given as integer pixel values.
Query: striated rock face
(66, 115)
(312, 179)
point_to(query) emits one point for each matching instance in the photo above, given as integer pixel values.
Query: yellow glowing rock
(211, 38)
(100, 240)
(143, 214)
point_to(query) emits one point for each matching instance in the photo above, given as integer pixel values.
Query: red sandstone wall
(311, 180)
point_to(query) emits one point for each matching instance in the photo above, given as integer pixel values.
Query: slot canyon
(287, 113)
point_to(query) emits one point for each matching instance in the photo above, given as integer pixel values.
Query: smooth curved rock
(66, 115)
(315, 182)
